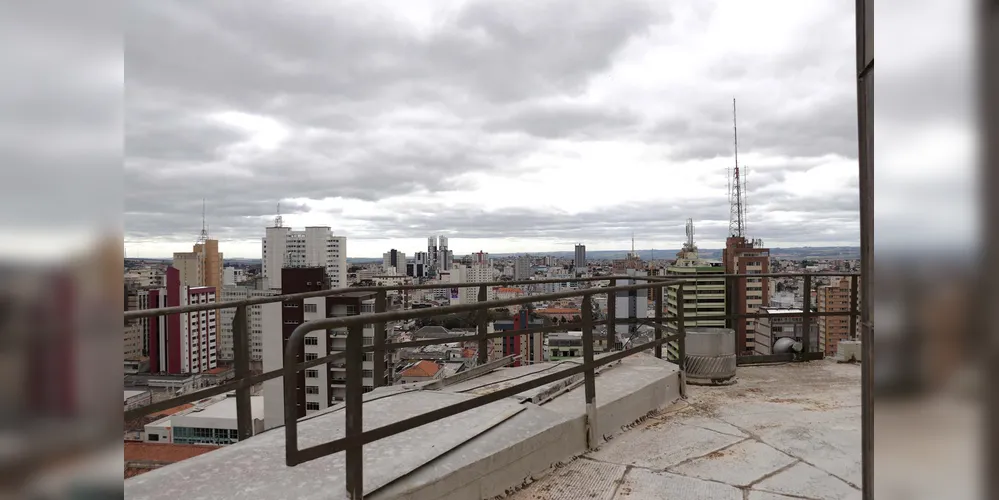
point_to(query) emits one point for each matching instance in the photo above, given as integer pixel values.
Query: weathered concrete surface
(528, 445)
(783, 431)
(625, 392)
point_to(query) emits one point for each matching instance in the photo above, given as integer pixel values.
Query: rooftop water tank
(710, 356)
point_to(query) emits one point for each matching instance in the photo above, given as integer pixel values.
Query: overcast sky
(506, 125)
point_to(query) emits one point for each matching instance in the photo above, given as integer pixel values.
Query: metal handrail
(356, 437)
(354, 353)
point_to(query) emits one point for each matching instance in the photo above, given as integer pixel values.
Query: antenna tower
(690, 235)
(736, 224)
(277, 218)
(204, 227)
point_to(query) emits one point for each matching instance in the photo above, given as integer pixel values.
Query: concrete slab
(713, 424)
(624, 392)
(739, 465)
(641, 484)
(502, 458)
(803, 480)
(579, 479)
(521, 449)
(762, 495)
(783, 431)
(657, 445)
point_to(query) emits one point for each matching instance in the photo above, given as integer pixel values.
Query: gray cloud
(375, 108)
(560, 121)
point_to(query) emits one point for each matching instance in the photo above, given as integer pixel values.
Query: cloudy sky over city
(508, 126)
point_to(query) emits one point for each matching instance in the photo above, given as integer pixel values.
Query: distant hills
(795, 253)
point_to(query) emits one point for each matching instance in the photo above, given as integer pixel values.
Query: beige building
(834, 297)
(202, 267)
(133, 340)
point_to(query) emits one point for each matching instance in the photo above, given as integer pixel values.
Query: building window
(311, 405)
(311, 341)
(311, 373)
(310, 308)
(312, 389)
(309, 356)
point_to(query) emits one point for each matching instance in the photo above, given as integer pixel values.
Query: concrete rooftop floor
(781, 432)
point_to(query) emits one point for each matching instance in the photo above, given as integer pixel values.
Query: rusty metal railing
(355, 351)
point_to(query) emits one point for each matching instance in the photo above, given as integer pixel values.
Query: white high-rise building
(254, 325)
(316, 246)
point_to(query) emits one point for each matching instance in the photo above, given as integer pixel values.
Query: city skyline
(584, 141)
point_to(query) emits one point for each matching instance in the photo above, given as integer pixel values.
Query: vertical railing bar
(241, 357)
(378, 365)
(658, 291)
(354, 409)
(590, 388)
(806, 316)
(681, 344)
(483, 327)
(290, 377)
(611, 317)
(854, 302)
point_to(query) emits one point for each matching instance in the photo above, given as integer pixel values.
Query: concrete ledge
(526, 447)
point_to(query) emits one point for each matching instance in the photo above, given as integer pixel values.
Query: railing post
(681, 344)
(241, 357)
(590, 387)
(611, 317)
(378, 368)
(730, 310)
(483, 327)
(658, 291)
(854, 300)
(806, 316)
(355, 391)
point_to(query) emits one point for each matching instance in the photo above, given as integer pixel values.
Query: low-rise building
(210, 421)
(421, 371)
(137, 399)
(778, 323)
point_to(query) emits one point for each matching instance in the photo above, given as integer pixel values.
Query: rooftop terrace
(781, 432)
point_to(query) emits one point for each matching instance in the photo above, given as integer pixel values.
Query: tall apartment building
(703, 292)
(742, 256)
(631, 304)
(522, 268)
(132, 341)
(394, 261)
(200, 267)
(420, 267)
(316, 246)
(480, 271)
(254, 322)
(579, 262)
(320, 387)
(834, 297)
(445, 257)
(179, 343)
